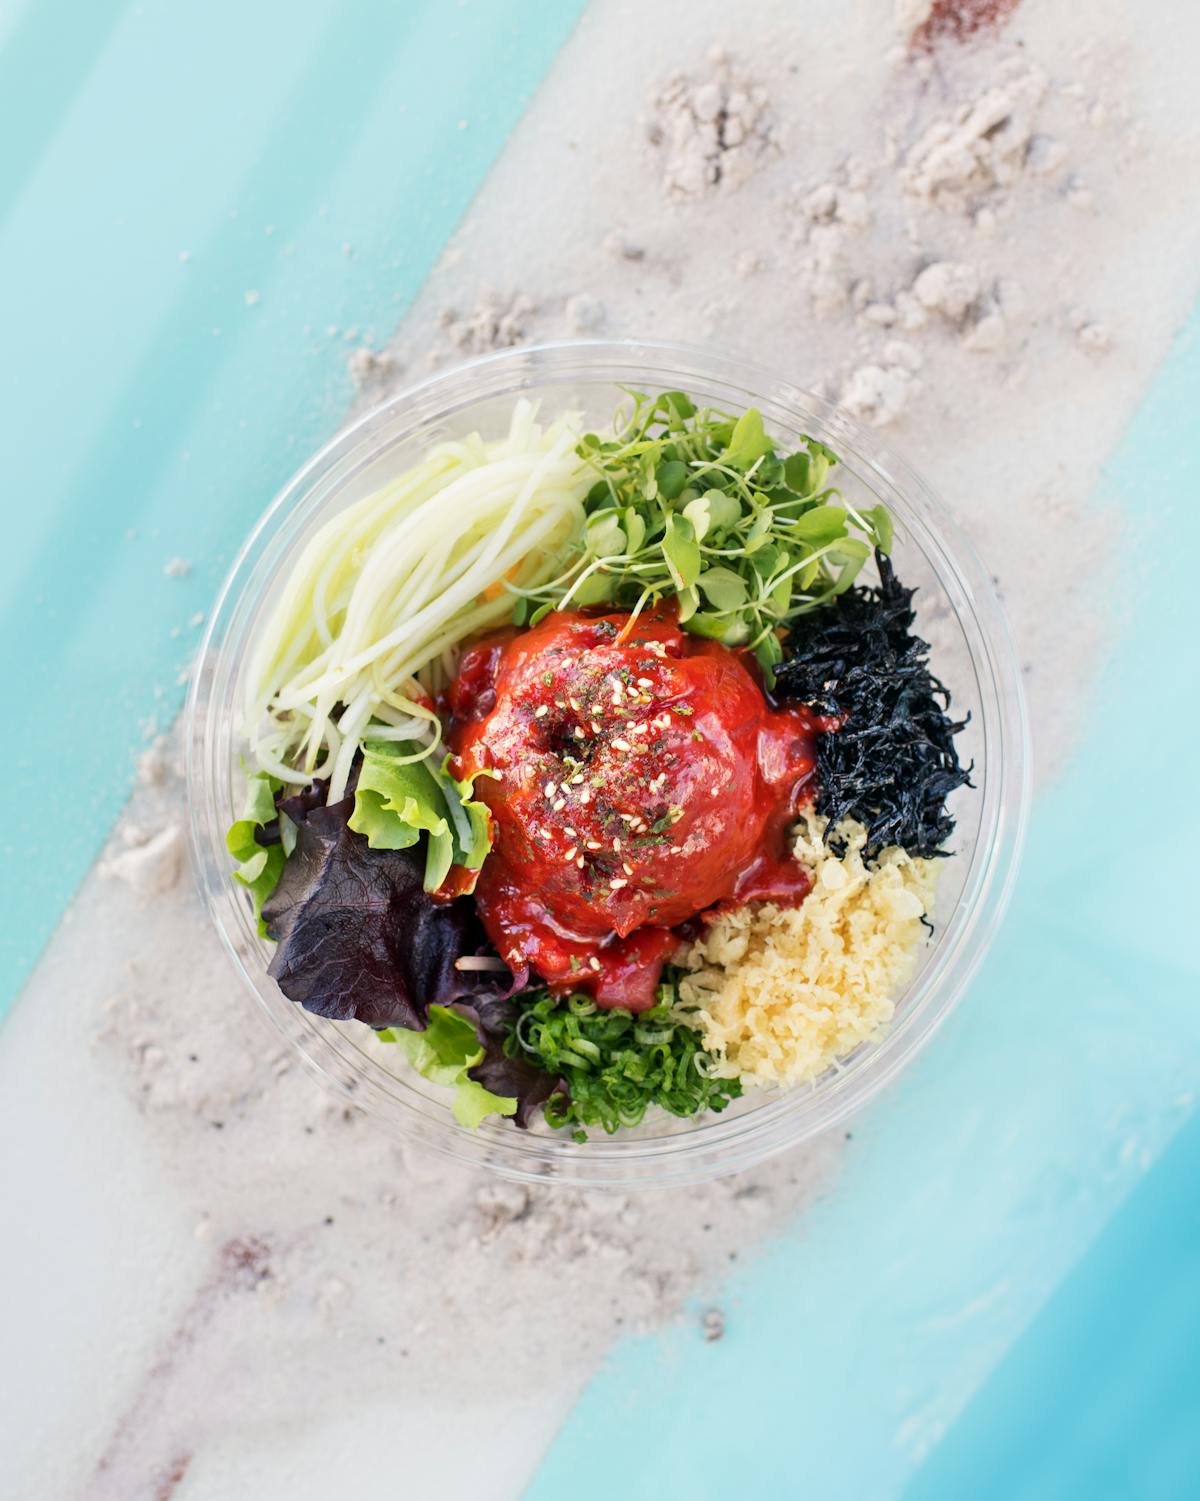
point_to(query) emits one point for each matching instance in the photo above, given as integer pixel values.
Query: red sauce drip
(642, 779)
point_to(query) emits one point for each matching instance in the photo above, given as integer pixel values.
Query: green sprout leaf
(695, 506)
(769, 653)
(724, 511)
(605, 535)
(749, 441)
(681, 552)
(597, 589)
(880, 519)
(635, 528)
(723, 588)
(820, 525)
(672, 479)
(688, 601)
(698, 513)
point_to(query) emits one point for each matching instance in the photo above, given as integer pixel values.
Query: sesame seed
(558, 704)
(585, 796)
(617, 845)
(593, 844)
(640, 729)
(616, 883)
(541, 711)
(571, 853)
(579, 862)
(715, 790)
(560, 804)
(621, 745)
(629, 818)
(595, 728)
(574, 702)
(569, 832)
(626, 867)
(549, 789)
(594, 962)
(576, 779)
(578, 733)
(645, 683)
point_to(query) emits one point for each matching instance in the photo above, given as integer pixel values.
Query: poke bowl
(274, 690)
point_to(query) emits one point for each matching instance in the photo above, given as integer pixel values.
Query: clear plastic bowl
(957, 610)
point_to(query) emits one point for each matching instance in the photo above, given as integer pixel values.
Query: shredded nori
(892, 764)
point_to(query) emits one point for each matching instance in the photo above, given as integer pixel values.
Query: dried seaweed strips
(892, 764)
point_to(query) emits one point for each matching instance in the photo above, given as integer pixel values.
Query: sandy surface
(582, 229)
(238, 1225)
(230, 1276)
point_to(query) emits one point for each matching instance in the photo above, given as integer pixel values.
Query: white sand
(237, 1225)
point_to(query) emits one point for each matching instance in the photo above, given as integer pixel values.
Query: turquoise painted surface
(1098, 1400)
(202, 205)
(972, 1189)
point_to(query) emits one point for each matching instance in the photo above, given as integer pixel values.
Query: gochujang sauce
(636, 777)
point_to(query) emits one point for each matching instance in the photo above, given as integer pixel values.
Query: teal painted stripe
(972, 1189)
(317, 156)
(79, 34)
(1099, 1400)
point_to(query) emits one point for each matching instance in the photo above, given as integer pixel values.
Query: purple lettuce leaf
(358, 935)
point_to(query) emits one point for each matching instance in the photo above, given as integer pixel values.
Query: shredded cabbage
(369, 620)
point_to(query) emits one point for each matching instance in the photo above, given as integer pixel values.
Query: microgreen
(696, 506)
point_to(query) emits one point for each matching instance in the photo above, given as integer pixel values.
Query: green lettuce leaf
(259, 866)
(443, 1053)
(397, 801)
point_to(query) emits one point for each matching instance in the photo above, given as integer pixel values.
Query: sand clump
(709, 132)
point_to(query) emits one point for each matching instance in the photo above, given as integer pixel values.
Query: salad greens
(400, 795)
(692, 505)
(613, 1065)
(754, 548)
(359, 937)
(259, 864)
(443, 1053)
